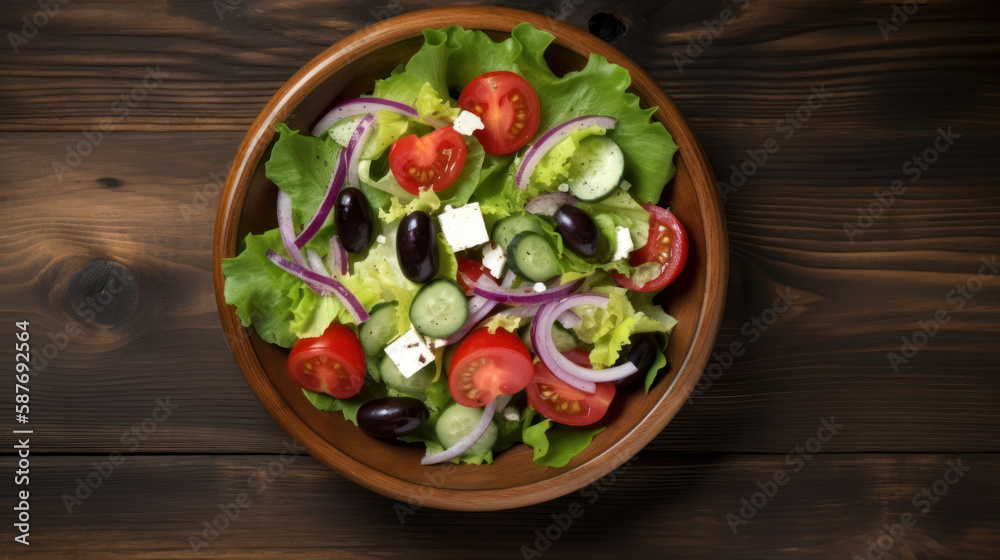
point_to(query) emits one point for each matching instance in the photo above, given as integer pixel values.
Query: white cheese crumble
(539, 287)
(380, 239)
(463, 227)
(511, 413)
(494, 259)
(409, 352)
(467, 123)
(623, 246)
(564, 187)
(626, 185)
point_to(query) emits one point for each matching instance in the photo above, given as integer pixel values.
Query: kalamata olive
(641, 350)
(391, 417)
(353, 216)
(578, 230)
(416, 247)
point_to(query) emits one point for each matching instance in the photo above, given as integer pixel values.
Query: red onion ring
(326, 206)
(553, 136)
(561, 366)
(354, 146)
(322, 285)
(336, 259)
(360, 106)
(287, 229)
(467, 442)
(488, 289)
(316, 263)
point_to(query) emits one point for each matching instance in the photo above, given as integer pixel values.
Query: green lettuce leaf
(260, 291)
(555, 444)
(553, 169)
(348, 407)
(609, 329)
(302, 165)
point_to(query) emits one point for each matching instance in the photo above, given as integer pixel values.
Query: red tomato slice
(667, 244)
(333, 363)
(487, 365)
(559, 402)
(508, 107)
(469, 272)
(433, 160)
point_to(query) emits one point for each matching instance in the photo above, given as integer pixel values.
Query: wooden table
(141, 106)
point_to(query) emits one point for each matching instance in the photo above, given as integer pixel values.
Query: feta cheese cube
(494, 259)
(467, 123)
(623, 246)
(380, 239)
(434, 343)
(409, 352)
(463, 227)
(539, 287)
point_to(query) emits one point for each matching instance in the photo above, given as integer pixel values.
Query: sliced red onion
(467, 442)
(354, 146)
(521, 296)
(548, 203)
(360, 106)
(561, 366)
(316, 263)
(326, 206)
(479, 308)
(322, 285)
(553, 136)
(287, 229)
(508, 279)
(336, 259)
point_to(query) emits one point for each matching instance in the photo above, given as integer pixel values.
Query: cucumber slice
(506, 229)
(531, 256)
(376, 332)
(458, 421)
(415, 386)
(439, 309)
(596, 168)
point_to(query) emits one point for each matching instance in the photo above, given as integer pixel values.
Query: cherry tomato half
(333, 363)
(433, 160)
(667, 244)
(564, 404)
(486, 365)
(469, 272)
(508, 107)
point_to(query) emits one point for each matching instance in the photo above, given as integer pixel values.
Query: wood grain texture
(656, 505)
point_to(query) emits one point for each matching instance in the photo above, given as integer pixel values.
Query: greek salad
(466, 257)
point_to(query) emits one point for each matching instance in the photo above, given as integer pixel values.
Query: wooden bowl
(348, 69)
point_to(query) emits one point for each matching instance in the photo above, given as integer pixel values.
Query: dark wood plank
(150, 507)
(825, 357)
(938, 68)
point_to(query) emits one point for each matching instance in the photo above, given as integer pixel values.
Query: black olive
(578, 230)
(641, 350)
(353, 216)
(391, 417)
(416, 247)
